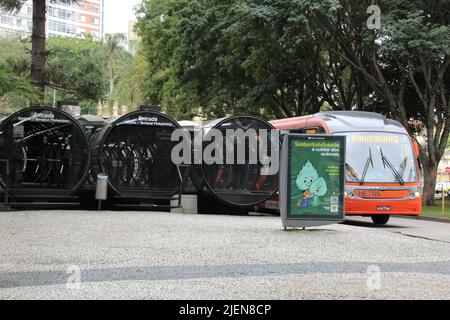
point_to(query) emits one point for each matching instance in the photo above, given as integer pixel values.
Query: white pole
(54, 98)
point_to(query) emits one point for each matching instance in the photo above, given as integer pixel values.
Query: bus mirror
(416, 148)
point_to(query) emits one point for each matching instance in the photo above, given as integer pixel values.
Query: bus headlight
(414, 195)
(349, 195)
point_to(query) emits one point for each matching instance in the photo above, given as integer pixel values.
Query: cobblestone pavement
(139, 255)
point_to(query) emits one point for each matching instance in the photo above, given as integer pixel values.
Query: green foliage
(75, 66)
(116, 62)
(38, 61)
(132, 81)
(281, 58)
(284, 57)
(11, 5)
(274, 58)
(15, 89)
(252, 56)
(79, 69)
(11, 82)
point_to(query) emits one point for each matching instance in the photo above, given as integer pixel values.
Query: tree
(411, 50)
(130, 88)
(16, 91)
(179, 39)
(254, 57)
(11, 87)
(74, 66)
(116, 58)
(227, 57)
(285, 58)
(38, 55)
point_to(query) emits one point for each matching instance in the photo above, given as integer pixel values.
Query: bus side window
(422, 173)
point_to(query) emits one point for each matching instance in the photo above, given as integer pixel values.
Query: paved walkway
(137, 255)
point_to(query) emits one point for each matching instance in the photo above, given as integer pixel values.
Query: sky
(117, 15)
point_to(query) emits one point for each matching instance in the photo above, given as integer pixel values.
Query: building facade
(132, 38)
(83, 18)
(443, 175)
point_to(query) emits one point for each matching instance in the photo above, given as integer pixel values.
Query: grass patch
(436, 210)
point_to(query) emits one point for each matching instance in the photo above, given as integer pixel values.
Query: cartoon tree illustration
(318, 189)
(307, 175)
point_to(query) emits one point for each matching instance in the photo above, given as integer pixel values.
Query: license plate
(370, 194)
(383, 194)
(272, 205)
(384, 208)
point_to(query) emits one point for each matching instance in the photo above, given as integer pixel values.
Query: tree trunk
(111, 86)
(430, 175)
(38, 55)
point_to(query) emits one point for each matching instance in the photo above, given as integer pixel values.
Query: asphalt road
(137, 255)
(409, 226)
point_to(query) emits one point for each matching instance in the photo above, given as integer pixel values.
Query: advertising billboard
(312, 180)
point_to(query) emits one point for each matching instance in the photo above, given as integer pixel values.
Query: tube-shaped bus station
(48, 155)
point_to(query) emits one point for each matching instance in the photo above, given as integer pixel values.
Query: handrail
(180, 190)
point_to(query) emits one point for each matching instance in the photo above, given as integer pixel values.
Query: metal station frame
(205, 186)
(129, 161)
(51, 165)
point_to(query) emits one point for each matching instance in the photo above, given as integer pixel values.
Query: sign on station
(312, 180)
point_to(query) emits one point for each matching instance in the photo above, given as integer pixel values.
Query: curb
(426, 218)
(3, 208)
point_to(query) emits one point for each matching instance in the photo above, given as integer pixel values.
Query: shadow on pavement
(160, 273)
(309, 229)
(370, 224)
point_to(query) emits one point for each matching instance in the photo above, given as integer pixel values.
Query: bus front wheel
(380, 219)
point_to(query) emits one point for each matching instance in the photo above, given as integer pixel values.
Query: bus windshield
(376, 157)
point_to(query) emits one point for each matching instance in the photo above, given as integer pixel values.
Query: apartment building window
(89, 19)
(61, 13)
(7, 20)
(94, 8)
(80, 5)
(61, 27)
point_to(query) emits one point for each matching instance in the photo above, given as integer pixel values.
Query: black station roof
(348, 121)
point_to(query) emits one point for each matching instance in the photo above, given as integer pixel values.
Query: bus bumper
(409, 207)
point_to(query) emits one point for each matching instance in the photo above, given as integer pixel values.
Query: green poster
(316, 177)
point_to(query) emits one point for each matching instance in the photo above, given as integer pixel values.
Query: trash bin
(101, 192)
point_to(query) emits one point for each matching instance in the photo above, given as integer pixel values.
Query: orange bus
(382, 167)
